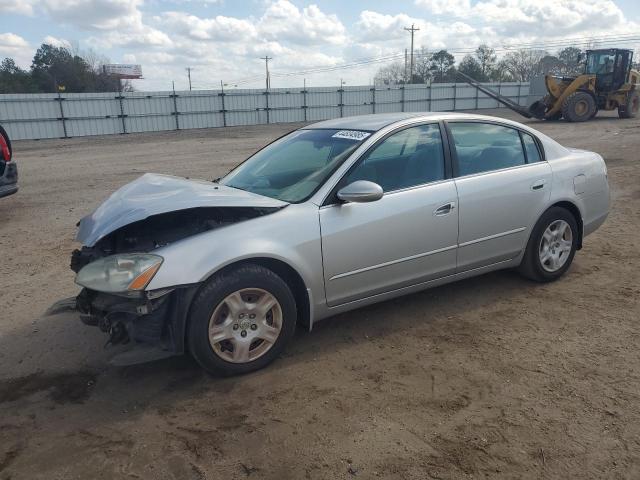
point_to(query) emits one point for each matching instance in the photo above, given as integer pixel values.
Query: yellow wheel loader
(608, 83)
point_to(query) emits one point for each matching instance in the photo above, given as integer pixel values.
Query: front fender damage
(155, 319)
(154, 322)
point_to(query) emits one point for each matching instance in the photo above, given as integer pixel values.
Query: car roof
(377, 121)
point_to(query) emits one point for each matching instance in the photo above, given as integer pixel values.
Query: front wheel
(579, 107)
(551, 247)
(241, 320)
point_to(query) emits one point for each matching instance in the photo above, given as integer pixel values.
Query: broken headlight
(120, 273)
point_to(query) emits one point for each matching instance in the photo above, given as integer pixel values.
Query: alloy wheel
(555, 246)
(245, 325)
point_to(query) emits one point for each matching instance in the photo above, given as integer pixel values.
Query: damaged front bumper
(153, 323)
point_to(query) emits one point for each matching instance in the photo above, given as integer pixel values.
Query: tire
(579, 107)
(215, 296)
(532, 265)
(631, 106)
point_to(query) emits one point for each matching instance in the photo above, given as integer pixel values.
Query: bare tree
(524, 64)
(391, 74)
(487, 58)
(500, 73)
(572, 60)
(421, 68)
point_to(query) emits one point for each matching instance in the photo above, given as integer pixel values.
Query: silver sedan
(333, 216)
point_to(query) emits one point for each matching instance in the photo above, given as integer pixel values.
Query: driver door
(408, 236)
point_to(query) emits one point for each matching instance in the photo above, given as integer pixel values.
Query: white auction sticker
(351, 135)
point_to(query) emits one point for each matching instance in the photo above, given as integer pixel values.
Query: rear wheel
(241, 320)
(579, 107)
(551, 247)
(631, 106)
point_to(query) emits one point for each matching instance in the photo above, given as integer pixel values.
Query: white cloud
(542, 19)
(56, 42)
(16, 47)
(9, 41)
(21, 7)
(379, 27)
(282, 20)
(220, 28)
(95, 14)
(440, 7)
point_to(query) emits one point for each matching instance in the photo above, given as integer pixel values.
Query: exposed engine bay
(163, 229)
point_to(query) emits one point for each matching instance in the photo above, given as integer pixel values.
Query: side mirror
(361, 191)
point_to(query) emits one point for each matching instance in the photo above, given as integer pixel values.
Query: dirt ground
(492, 377)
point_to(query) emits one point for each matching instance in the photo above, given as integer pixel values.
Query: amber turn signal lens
(144, 278)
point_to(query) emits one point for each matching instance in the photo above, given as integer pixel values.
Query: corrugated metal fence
(35, 116)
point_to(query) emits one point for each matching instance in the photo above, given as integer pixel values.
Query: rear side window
(483, 147)
(533, 154)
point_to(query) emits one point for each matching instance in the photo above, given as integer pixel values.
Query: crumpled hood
(153, 194)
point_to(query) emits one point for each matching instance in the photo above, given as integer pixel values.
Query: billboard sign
(122, 70)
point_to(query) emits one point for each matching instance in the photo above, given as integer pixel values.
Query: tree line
(483, 65)
(56, 69)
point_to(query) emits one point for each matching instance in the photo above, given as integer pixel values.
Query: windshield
(600, 63)
(292, 168)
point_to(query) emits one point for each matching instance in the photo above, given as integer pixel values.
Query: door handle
(539, 185)
(445, 209)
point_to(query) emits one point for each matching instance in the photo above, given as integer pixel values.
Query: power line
(583, 41)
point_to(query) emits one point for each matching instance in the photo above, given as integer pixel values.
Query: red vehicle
(8, 168)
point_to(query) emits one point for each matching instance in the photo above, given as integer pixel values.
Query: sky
(224, 40)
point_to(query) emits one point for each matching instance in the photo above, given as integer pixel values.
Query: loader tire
(579, 107)
(630, 107)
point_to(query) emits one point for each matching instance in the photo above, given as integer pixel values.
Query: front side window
(483, 147)
(413, 156)
(292, 168)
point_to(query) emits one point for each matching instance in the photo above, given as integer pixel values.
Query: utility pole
(188, 69)
(266, 59)
(413, 29)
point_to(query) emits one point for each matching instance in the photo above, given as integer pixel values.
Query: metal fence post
(430, 95)
(373, 99)
(455, 94)
(341, 97)
(304, 102)
(120, 98)
(477, 98)
(499, 92)
(266, 97)
(224, 110)
(175, 106)
(519, 92)
(402, 98)
(64, 123)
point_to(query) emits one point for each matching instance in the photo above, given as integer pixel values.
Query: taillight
(4, 149)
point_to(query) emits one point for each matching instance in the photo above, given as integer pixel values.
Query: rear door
(406, 237)
(503, 185)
